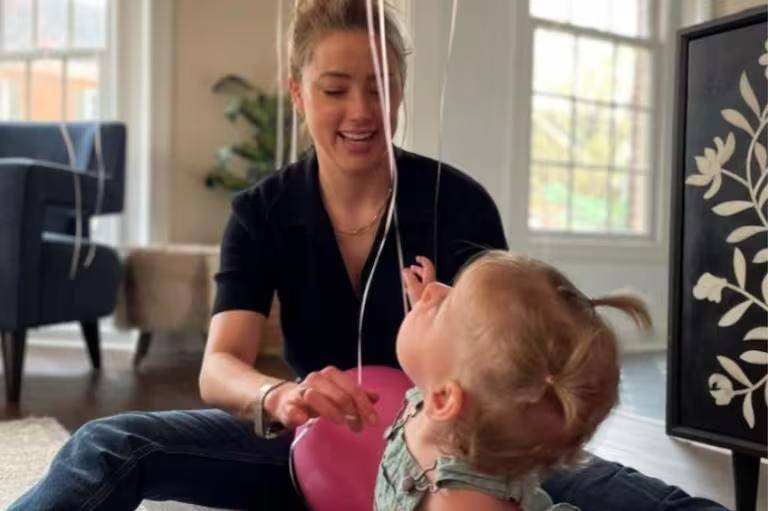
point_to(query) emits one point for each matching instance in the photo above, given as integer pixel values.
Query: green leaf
(233, 84)
(735, 314)
(246, 150)
(745, 232)
(755, 357)
(232, 109)
(732, 207)
(734, 370)
(223, 154)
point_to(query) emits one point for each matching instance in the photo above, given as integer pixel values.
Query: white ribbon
(78, 195)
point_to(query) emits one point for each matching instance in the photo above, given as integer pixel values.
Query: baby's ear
(444, 402)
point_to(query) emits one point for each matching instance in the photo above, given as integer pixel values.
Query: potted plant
(240, 164)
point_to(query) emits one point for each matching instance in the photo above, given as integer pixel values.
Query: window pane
(551, 135)
(594, 76)
(618, 202)
(631, 129)
(633, 76)
(548, 203)
(82, 89)
(632, 19)
(17, 24)
(13, 93)
(592, 13)
(556, 10)
(553, 62)
(628, 203)
(589, 202)
(90, 24)
(52, 24)
(592, 141)
(46, 90)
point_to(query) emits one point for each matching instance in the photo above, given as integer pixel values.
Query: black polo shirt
(279, 238)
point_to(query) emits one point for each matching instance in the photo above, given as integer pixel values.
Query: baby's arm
(417, 277)
(461, 500)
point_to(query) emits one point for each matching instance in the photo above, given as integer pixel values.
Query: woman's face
(340, 101)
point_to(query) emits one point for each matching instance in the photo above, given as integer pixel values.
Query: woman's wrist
(271, 403)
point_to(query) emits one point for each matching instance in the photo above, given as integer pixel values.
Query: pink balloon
(336, 468)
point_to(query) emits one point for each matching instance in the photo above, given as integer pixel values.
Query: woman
(309, 233)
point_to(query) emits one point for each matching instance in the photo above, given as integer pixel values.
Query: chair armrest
(27, 187)
(50, 183)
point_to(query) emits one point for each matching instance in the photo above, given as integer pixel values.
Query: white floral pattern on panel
(711, 172)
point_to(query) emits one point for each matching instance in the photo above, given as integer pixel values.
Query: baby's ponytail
(630, 304)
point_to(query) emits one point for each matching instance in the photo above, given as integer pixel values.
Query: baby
(513, 370)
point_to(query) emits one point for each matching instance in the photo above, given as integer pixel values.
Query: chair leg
(145, 338)
(13, 347)
(91, 334)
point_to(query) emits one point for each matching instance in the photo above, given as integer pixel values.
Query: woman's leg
(608, 486)
(206, 457)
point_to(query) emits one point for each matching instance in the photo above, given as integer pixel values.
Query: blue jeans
(208, 457)
(603, 485)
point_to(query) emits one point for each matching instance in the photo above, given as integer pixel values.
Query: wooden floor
(59, 382)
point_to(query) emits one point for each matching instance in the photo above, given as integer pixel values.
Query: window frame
(665, 16)
(105, 57)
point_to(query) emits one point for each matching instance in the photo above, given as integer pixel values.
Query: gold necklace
(366, 227)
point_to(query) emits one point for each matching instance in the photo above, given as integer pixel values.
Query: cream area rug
(27, 447)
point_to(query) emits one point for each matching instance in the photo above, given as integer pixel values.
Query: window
(52, 59)
(592, 109)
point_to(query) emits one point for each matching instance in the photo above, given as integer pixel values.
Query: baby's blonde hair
(533, 340)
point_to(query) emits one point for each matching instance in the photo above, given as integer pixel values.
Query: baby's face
(426, 347)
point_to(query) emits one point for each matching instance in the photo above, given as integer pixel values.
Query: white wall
(725, 7)
(212, 39)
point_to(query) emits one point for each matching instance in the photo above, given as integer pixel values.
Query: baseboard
(70, 336)
(652, 346)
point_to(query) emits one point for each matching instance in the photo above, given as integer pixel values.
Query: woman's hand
(328, 393)
(417, 277)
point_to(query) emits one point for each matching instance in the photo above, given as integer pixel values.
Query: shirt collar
(415, 192)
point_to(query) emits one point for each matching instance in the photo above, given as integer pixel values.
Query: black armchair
(37, 233)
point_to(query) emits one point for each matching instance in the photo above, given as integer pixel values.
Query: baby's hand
(417, 276)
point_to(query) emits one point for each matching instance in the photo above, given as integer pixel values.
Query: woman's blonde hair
(315, 19)
(533, 339)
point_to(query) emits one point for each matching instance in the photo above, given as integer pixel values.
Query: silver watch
(263, 426)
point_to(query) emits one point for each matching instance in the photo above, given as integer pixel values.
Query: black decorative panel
(718, 369)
